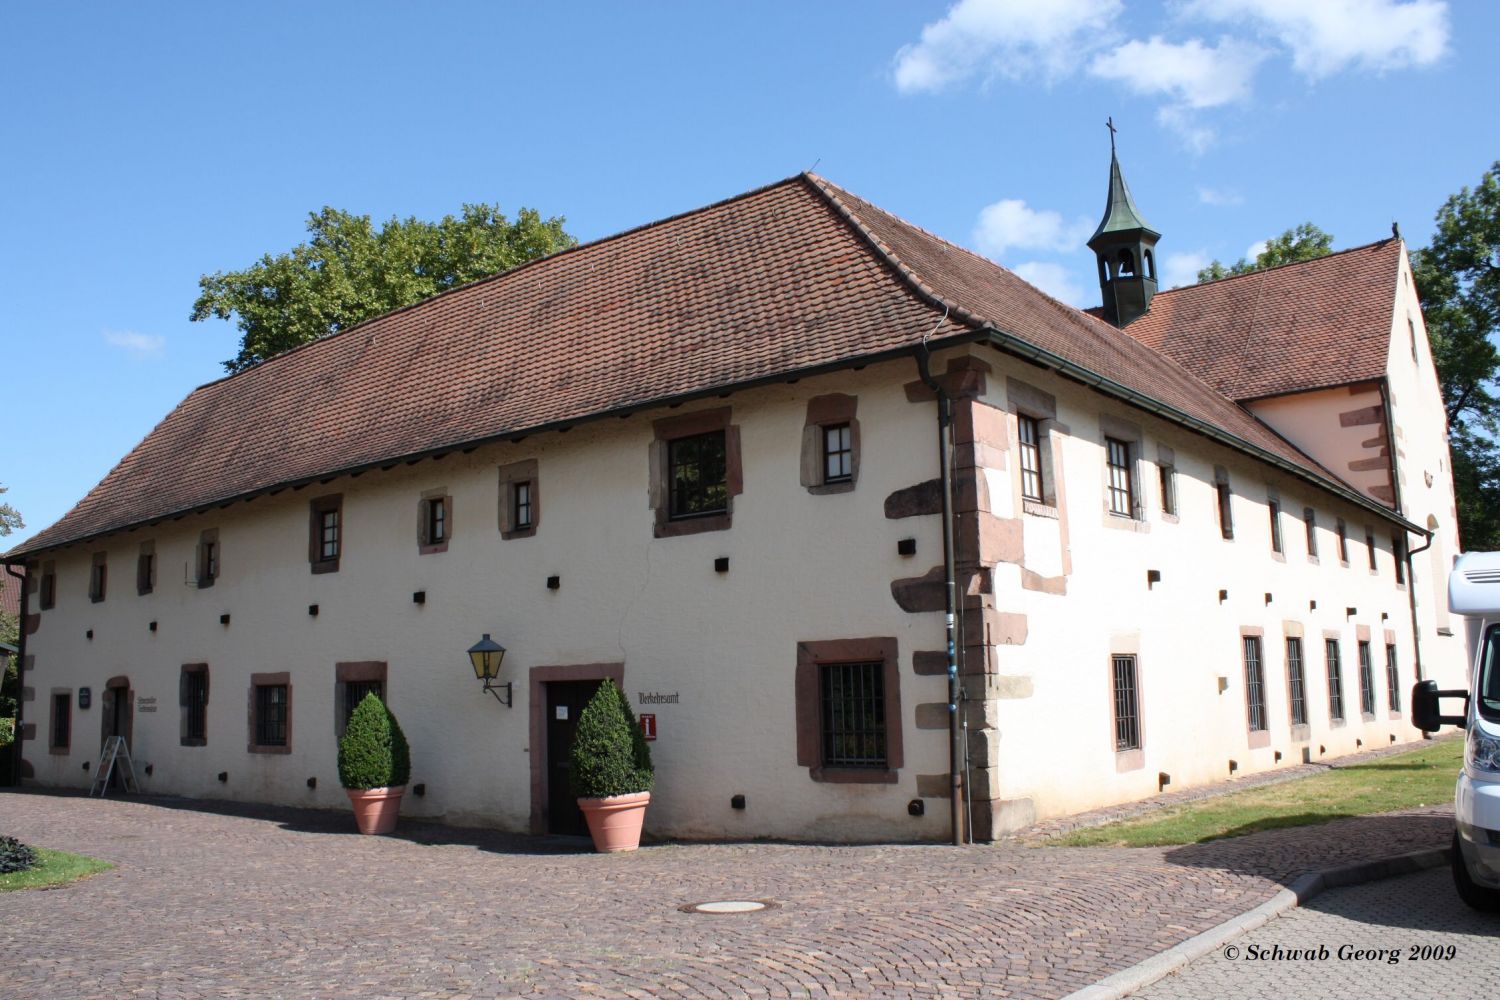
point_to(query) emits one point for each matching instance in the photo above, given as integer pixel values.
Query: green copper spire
(1120, 213)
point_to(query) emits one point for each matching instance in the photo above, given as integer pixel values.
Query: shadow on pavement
(1286, 854)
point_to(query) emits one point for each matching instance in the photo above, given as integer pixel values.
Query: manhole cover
(729, 906)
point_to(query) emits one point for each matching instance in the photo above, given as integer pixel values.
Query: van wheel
(1477, 896)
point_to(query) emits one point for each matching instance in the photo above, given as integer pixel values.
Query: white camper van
(1474, 591)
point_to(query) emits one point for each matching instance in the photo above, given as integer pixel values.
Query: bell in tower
(1125, 248)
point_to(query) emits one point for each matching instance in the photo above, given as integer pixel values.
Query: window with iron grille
(1366, 680)
(1226, 513)
(1310, 518)
(354, 693)
(838, 454)
(62, 721)
(1255, 685)
(1398, 553)
(1168, 475)
(195, 705)
(1121, 491)
(1370, 549)
(1335, 680)
(521, 504)
(1127, 704)
(271, 701)
(1343, 532)
(853, 703)
(1031, 457)
(1392, 678)
(1274, 508)
(1296, 681)
(697, 476)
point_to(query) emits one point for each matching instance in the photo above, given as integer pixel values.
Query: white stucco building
(699, 458)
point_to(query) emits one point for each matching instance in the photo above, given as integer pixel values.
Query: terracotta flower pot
(376, 809)
(615, 822)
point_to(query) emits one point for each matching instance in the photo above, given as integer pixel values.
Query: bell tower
(1125, 248)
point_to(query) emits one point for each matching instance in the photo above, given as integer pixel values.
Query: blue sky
(148, 144)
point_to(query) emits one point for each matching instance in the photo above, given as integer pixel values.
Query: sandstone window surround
(1343, 533)
(1296, 682)
(830, 444)
(1370, 550)
(1125, 690)
(60, 740)
(145, 568)
(1310, 520)
(1398, 553)
(47, 589)
(1273, 513)
(1122, 441)
(1335, 678)
(99, 577)
(688, 491)
(192, 698)
(270, 713)
(520, 499)
(1257, 718)
(352, 681)
(434, 521)
(833, 679)
(1034, 413)
(1392, 675)
(325, 533)
(208, 557)
(1366, 674)
(1166, 477)
(1225, 502)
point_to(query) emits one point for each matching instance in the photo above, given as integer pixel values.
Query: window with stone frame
(1255, 685)
(99, 577)
(695, 472)
(1392, 679)
(434, 521)
(208, 557)
(1029, 433)
(192, 697)
(1398, 554)
(145, 568)
(270, 713)
(520, 499)
(1343, 532)
(1335, 680)
(1127, 703)
(1121, 486)
(47, 588)
(830, 444)
(1167, 478)
(1296, 681)
(61, 739)
(1370, 550)
(849, 710)
(1366, 680)
(353, 681)
(1273, 510)
(1224, 500)
(1310, 519)
(697, 476)
(325, 533)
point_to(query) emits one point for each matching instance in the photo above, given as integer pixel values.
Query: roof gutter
(1012, 344)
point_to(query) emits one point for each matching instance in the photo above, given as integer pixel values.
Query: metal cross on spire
(1109, 123)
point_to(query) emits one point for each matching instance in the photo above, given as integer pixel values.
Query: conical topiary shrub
(610, 756)
(611, 774)
(374, 765)
(373, 752)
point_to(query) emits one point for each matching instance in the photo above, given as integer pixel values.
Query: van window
(1488, 688)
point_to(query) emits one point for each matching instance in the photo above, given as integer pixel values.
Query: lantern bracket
(495, 690)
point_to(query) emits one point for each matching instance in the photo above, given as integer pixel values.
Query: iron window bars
(853, 703)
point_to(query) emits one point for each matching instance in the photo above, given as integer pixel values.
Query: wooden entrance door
(565, 700)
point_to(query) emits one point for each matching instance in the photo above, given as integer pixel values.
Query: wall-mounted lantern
(485, 656)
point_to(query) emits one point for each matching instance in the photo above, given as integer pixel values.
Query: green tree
(1302, 242)
(1458, 278)
(348, 271)
(10, 632)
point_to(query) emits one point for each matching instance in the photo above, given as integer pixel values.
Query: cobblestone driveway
(242, 901)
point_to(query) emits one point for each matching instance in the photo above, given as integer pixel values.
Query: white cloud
(1327, 36)
(1011, 223)
(1218, 197)
(138, 345)
(1182, 268)
(1192, 74)
(1188, 125)
(1013, 38)
(1255, 249)
(1054, 279)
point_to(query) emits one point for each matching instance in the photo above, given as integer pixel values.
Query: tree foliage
(1458, 278)
(10, 520)
(609, 755)
(373, 752)
(348, 271)
(1302, 242)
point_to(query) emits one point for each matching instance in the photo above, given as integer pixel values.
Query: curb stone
(1143, 974)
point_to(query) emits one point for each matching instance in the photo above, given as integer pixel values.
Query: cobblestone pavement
(247, 901)
(1350, 934)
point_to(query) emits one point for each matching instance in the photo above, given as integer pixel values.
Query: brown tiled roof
(1308, 325)
(788, 278)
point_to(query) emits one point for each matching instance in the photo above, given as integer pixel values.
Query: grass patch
(56, 868)
(1401, 781)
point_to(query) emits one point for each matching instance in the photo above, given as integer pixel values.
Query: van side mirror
(1425, 711)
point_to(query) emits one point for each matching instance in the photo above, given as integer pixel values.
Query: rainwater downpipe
(15, 757)
(950, 594)
(1411, 581)
(1411, 600)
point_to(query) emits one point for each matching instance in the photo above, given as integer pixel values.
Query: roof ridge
(1282, 267)
(485, 279)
